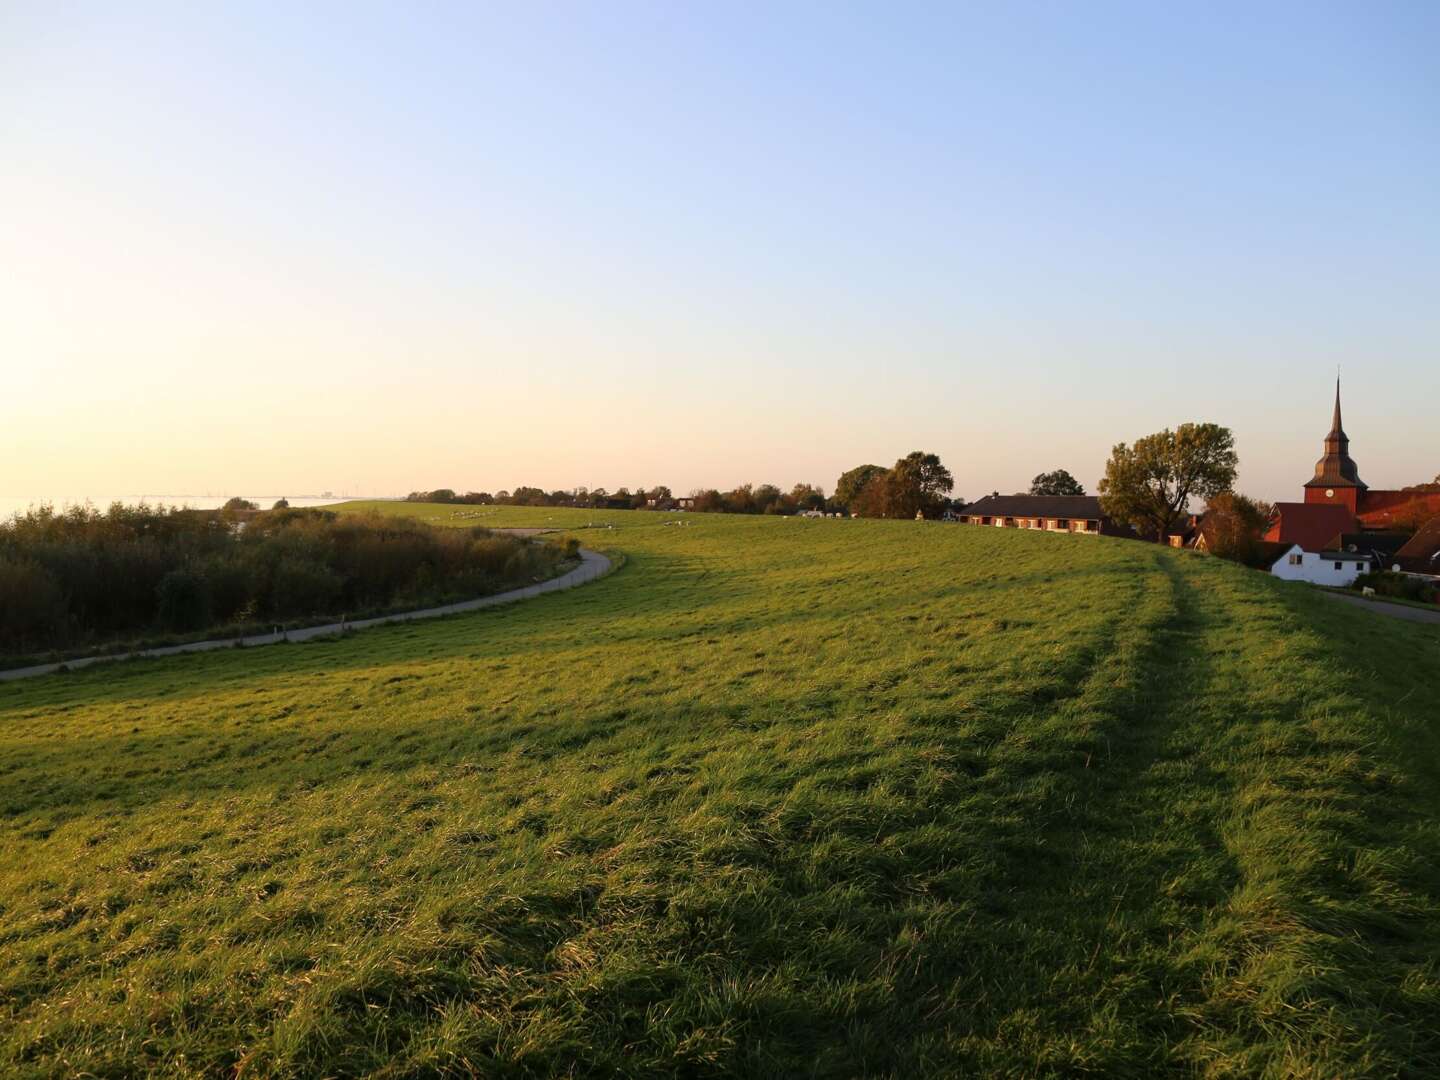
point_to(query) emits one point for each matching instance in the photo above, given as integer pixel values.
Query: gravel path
(1395, 611)
(592, 565)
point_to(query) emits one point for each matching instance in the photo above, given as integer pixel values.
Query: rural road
(592, 565)
(1395, 611)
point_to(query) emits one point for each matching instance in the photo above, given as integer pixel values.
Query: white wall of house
(1298, 565)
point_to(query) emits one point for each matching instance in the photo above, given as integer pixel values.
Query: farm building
(1421, 553)
(1323, 544)
(1047, 513)
(1190, 531)
(1382, 547)
(1336, 568)
(1311, 525)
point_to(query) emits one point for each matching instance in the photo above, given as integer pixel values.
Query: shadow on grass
(1141, 858)
(659, 599)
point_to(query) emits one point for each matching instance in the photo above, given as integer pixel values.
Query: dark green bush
(301, 586)
(80, 577)
(490, 554)
(234, 585)
(31, 606)
(1401, 586)
(184, 600)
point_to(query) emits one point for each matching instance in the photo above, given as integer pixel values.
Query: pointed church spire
(1336, 469)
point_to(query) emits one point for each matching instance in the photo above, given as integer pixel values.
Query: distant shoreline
(19, 504)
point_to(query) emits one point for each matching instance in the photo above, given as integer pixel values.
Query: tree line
(659, 498)
(744, 499)
(84, 576)
(1147, 485)
(917, 482)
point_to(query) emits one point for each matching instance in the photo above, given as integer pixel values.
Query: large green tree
(1234, 525)
(873, 501)
(917, 484)
(1149, 485)
(807, 497)
(1058, 482)
(708, 501)
(766, 496)
(853, 482)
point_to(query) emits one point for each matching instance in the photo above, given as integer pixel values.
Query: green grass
(1403, 601)
(778, 798)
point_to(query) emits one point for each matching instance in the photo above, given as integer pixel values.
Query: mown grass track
(809, 798)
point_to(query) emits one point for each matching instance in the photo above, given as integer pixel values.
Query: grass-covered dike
(778, 798)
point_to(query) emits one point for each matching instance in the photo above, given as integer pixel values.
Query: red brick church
(1339, 505)
(1337, 483)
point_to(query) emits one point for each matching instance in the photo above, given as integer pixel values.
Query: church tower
(1337, 480)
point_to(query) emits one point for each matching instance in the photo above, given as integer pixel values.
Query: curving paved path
(592, 565)
(1395, 611)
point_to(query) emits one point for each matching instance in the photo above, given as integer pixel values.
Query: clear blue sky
(286, 247)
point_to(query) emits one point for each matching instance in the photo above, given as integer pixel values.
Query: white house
(1335, 568)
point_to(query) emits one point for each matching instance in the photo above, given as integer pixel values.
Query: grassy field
(778, 798)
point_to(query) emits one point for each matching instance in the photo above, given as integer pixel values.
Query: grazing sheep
(1366, 590)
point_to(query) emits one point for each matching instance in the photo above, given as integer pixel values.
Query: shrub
(80, 576)
(490, 554)
(32, 609)
(183, 600)
(234, 588)
(301, 586)
(1401, 586)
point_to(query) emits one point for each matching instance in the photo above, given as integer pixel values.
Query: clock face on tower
(1329, 493)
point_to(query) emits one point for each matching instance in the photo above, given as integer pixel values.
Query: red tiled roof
(1045, 506)
(1311, 525)
(1421, 550)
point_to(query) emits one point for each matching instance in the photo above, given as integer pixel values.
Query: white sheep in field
(1366, 590)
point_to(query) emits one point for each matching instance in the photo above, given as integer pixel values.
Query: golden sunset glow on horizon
(242, 252)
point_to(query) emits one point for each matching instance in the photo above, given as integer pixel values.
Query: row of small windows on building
(1054, 524)
(1298, 559)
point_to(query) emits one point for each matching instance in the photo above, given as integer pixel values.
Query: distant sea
(10, 505)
